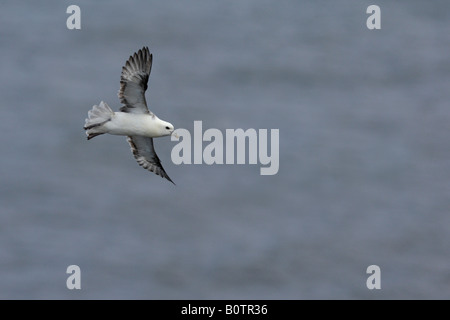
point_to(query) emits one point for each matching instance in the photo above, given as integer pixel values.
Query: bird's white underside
(130, 124)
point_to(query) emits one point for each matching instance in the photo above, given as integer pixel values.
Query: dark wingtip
(168, 178)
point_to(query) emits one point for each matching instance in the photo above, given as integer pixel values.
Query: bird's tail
(97, 117)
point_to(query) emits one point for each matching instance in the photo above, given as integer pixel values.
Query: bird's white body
(103, 120)
(131, 124)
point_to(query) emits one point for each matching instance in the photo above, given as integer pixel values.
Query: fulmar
(134, 120)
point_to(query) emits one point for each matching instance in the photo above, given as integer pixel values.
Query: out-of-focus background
(364, 175)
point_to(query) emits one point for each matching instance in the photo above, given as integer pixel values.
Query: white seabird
(134, 119)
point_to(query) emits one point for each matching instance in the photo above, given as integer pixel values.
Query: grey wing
(145, 155)
(133, 82)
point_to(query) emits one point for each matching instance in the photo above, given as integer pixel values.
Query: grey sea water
(364, 149)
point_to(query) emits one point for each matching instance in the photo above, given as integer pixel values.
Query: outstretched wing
(145, 155)
(133, 82)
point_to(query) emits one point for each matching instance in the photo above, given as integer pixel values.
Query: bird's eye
(167, 128)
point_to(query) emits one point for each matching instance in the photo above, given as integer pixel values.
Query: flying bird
(134, 120)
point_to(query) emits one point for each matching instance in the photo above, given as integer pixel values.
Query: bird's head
(166, 128)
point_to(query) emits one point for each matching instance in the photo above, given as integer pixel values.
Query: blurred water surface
(364, 151)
